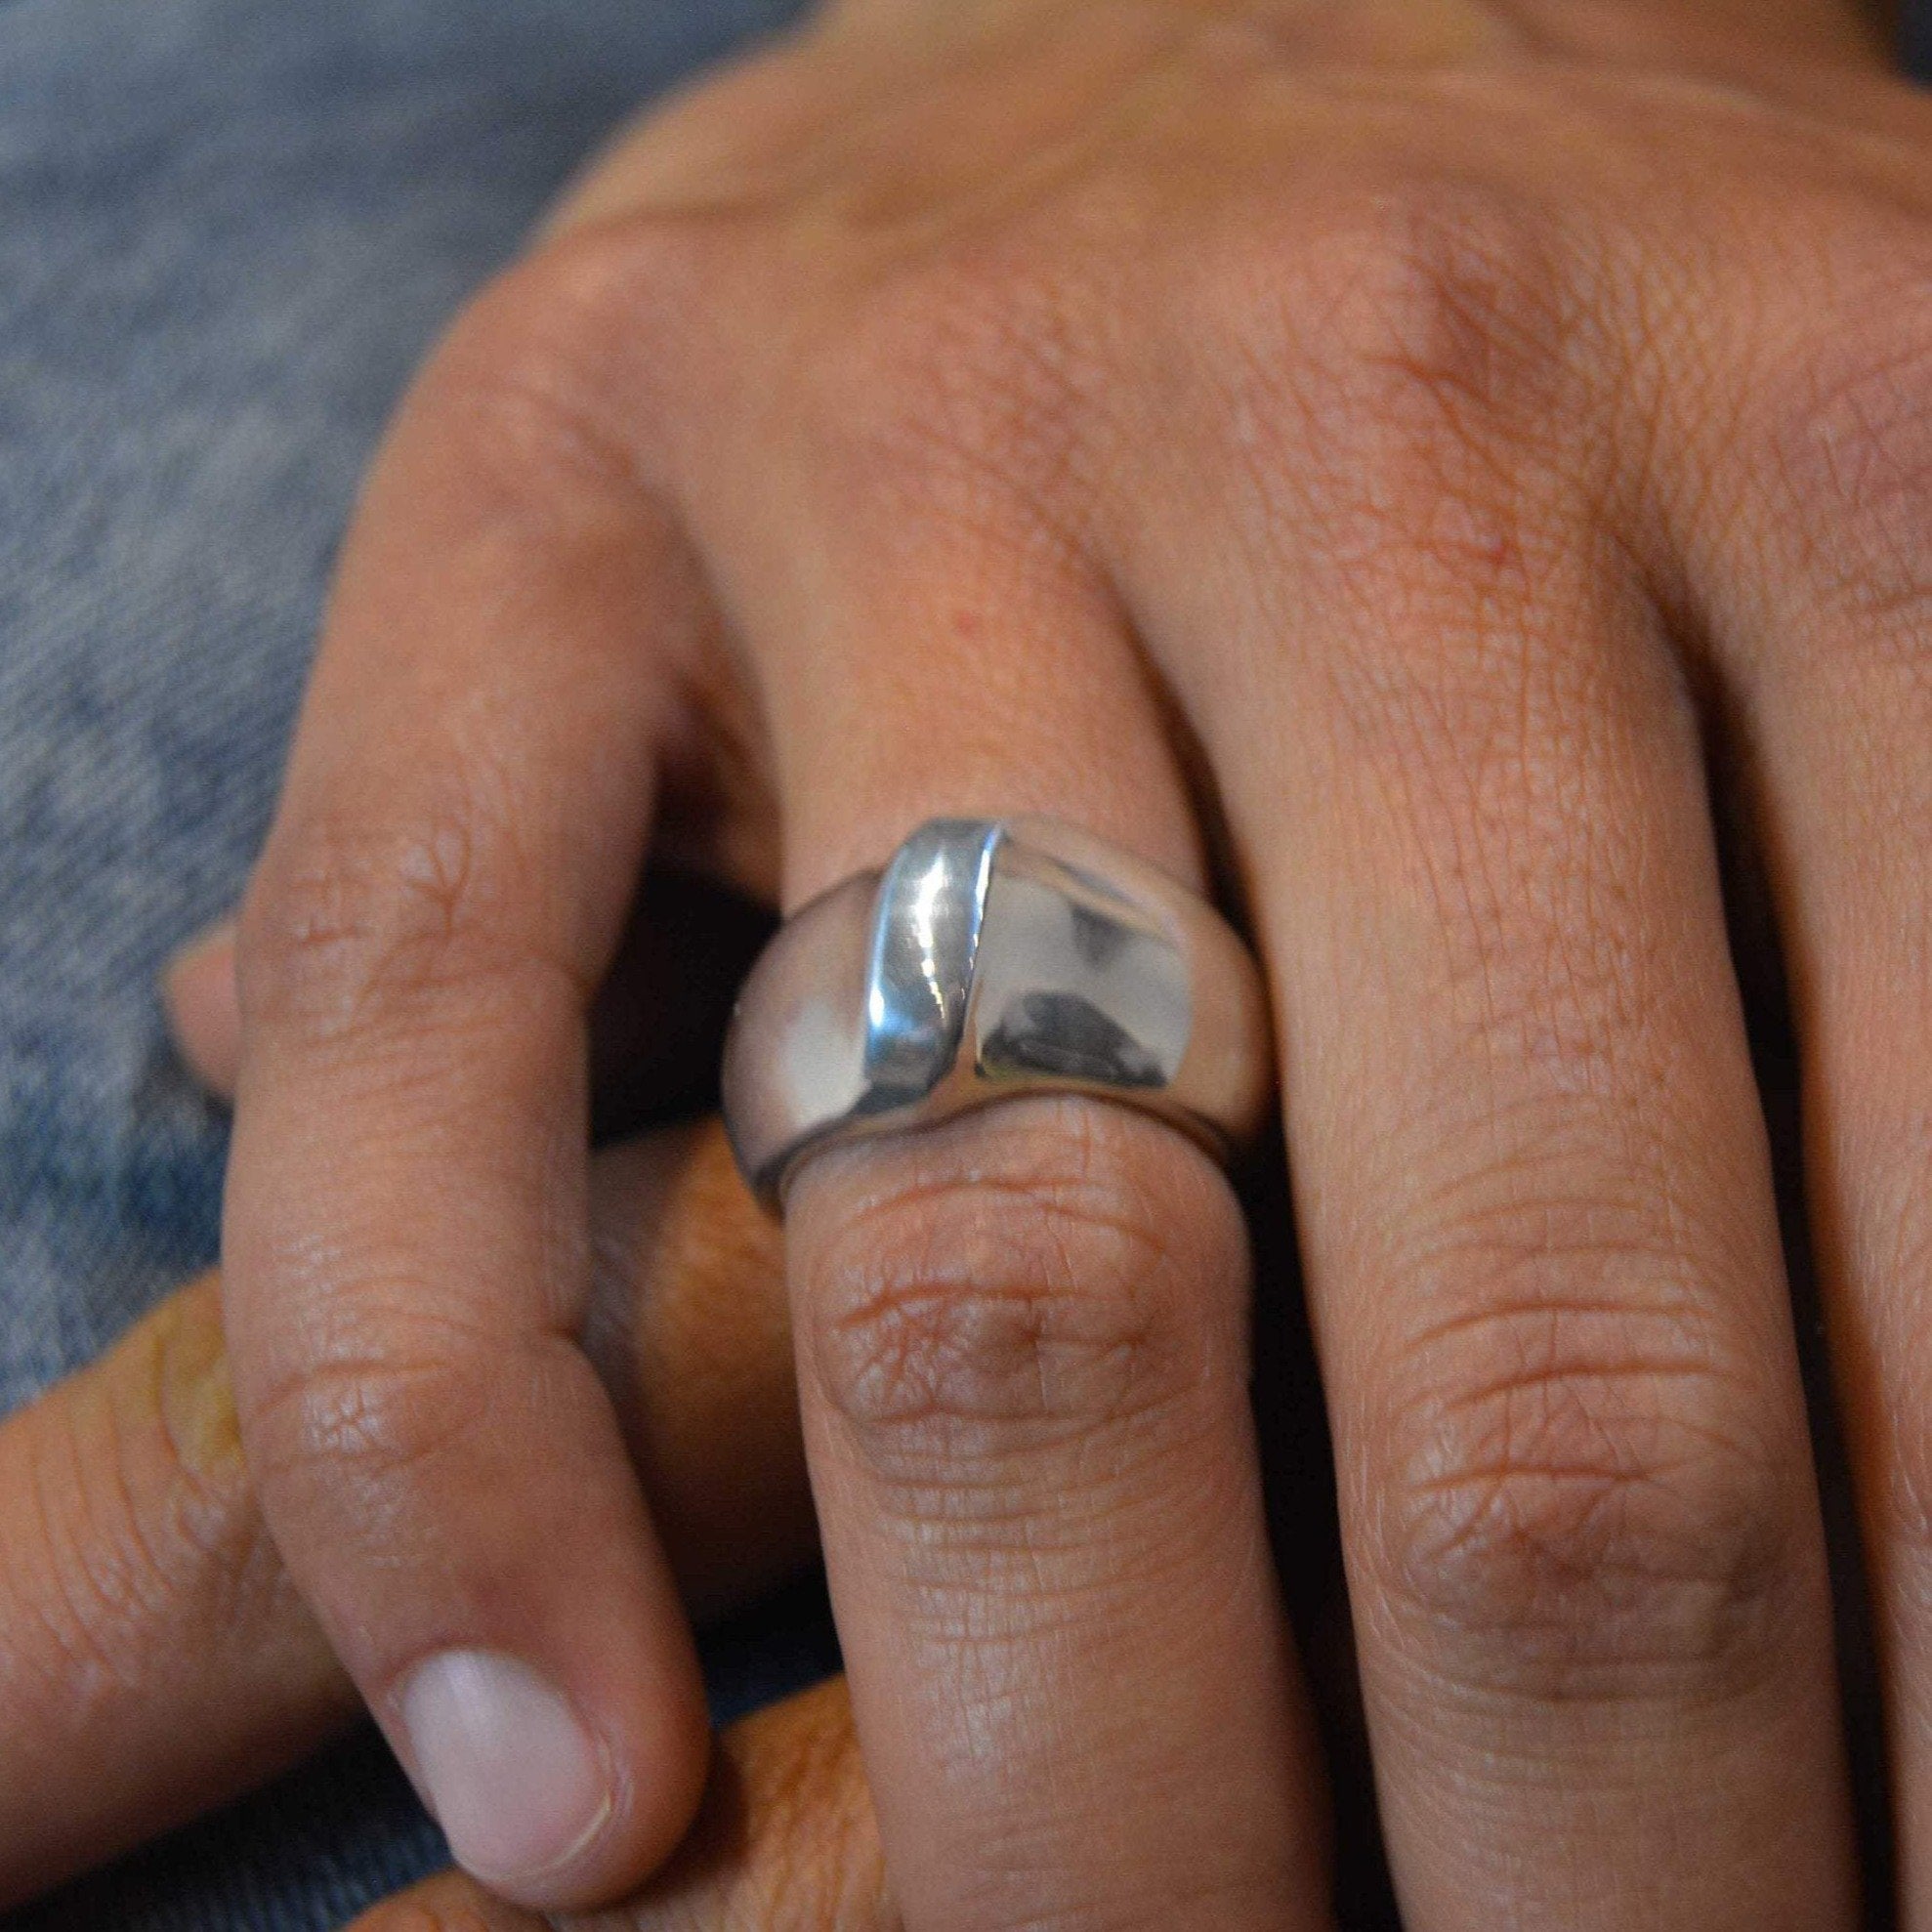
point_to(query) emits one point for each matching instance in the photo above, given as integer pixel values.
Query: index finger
(406, 1232)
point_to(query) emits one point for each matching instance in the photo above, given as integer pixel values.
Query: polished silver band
(994, 958)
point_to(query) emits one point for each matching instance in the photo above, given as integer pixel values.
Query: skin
(156, 1660)
(1470, 463)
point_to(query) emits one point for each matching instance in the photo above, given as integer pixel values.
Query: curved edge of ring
(794, 1062)
(852, 1020)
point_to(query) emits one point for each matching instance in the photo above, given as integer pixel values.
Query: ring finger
(1022, 1336)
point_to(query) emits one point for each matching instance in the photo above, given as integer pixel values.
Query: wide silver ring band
(994, 958)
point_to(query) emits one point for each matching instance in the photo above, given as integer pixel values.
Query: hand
(1408, 455)
(154, 1658)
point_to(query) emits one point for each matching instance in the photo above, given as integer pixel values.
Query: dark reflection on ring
(1071, 1038)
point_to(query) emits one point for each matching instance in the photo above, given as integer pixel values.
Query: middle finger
(1530, 1167)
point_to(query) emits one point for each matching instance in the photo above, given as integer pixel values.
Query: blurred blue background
(228, 231)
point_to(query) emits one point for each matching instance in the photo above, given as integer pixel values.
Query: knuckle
(147, 1528)
(353, 915)
(1577, 1495)
(1417, 348)
(181, 1398)
(1405, 388)
(1846, 431)
(379, 1405)
(951, 381)
(1057, 1280)
(554, 381)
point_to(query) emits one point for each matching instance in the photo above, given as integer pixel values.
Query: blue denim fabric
(228, 227)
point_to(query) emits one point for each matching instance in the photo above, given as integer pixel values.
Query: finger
(656, 1028)
(1824, 610)
(154, 1658)
(405, 1239)
(784, 1841)
(1023, 1338)
(1534, 1193)
(689, 1329)
(1023, 1368)
(204, 1008)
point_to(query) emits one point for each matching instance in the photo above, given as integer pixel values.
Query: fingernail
(514, 1778)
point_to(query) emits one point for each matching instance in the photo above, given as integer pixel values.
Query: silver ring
(994, 958)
